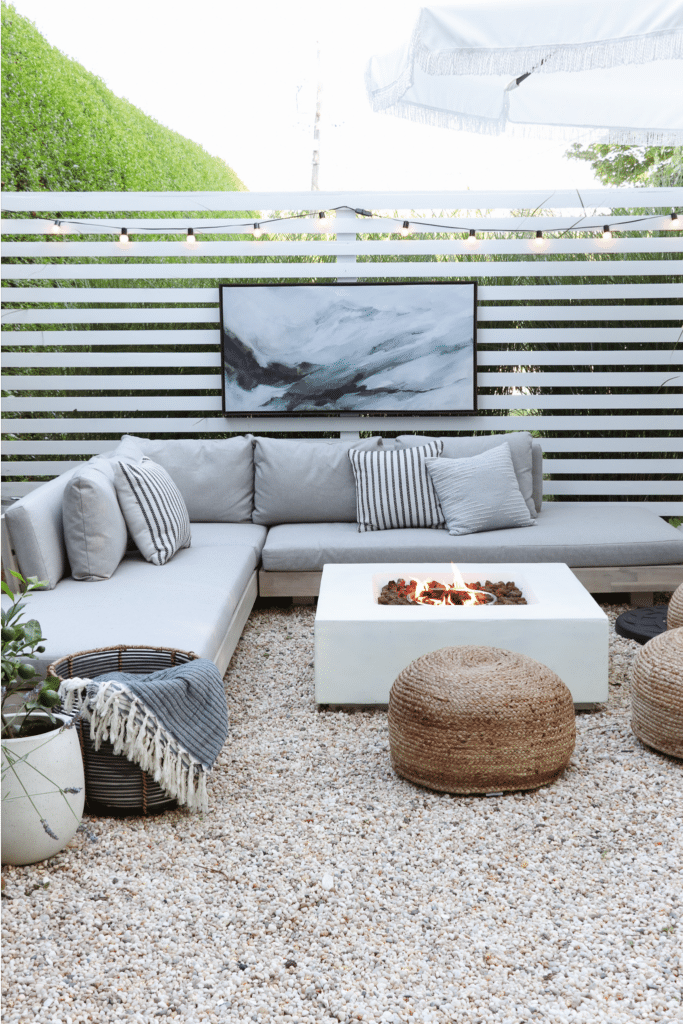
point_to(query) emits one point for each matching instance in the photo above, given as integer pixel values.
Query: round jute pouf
(674, 616)
(480, 720)
(657, 693)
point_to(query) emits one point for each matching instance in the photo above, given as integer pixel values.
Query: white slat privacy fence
(579, 335)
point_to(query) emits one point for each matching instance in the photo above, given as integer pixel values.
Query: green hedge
(64, 131)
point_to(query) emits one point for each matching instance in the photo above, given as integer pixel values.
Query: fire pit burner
(432, 592)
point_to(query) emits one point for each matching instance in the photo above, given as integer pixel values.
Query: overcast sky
(239, 77)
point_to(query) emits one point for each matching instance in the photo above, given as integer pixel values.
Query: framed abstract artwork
(338, 347)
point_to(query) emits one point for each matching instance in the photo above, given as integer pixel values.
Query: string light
(59, 226)
(471, 238)
(405, 228)
(191, 237)
(537, 242)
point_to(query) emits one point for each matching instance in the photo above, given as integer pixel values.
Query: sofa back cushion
(36, 532)
(95, 531)
(215, 477)
(298, 481)
(464, 447)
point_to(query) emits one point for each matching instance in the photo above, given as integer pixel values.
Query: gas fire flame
(425, 591)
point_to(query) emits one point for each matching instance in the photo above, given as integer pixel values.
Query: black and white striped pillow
(153, 508)
(394, 489)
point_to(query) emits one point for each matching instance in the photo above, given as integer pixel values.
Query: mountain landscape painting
(401, 348)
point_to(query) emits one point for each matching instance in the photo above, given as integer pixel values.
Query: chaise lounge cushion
(464, 447)
(187, 603)
(298, 481)
(215, 477)
(578, 533)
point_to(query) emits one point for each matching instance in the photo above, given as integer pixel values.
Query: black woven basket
(113, 784)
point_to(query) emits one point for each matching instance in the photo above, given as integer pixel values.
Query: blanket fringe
(116, 715)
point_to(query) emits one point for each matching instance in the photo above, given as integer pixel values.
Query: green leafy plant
(22, 640)
(31, 711)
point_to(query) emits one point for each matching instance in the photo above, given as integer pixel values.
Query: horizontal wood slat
(213, 423)
(501, 199)
(422, 224)
(451, 267)
(260, 248)
(212, 403)
(99, 381)
(106, 296)
(38, 467)
(169, 336)
(210, 315)
(487, 293)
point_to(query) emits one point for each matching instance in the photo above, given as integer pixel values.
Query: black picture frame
(374, 348)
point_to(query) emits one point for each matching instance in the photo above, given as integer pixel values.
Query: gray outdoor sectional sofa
(266, 515)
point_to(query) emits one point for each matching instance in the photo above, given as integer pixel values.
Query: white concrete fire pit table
(361, 646)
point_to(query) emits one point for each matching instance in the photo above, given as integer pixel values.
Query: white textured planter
(43, 765)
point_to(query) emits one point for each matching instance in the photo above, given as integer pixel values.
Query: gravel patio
(321, 887)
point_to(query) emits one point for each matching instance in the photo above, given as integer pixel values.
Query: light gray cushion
(94, 528)
(36, 532)
(305, 481)
(187, 603)
(537, 474)
(215, 477)
(153, 508)
(578, 533)
(394, 490)
(479, 493)
(462, 447)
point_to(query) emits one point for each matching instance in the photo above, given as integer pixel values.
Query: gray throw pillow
(214, 476)
(479, 493)
(94, 528)
(299, 481)
(463, 447)
(394, 490)
(153, 508)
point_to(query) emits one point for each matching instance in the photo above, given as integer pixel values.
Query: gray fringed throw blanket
(173, 723)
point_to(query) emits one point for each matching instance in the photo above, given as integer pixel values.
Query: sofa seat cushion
(187, 603)
(577, 533)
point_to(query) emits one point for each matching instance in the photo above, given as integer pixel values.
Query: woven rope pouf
(480, 720)
(674, 616)
(657, 693)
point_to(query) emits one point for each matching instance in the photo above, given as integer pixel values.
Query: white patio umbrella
(595, 70)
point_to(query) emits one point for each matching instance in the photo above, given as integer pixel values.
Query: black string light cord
(405, 226)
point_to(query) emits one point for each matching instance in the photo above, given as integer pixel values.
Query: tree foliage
(654, 166)
(63, 130)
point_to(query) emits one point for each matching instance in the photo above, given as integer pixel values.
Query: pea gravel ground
(320, 887)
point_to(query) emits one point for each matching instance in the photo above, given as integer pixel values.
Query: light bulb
(674, 220)
(323, 222)
(257, 231)
(471, 238)
(56, 228)
(405, 228)
(606, 233)
(191, 237)
(123, 237)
